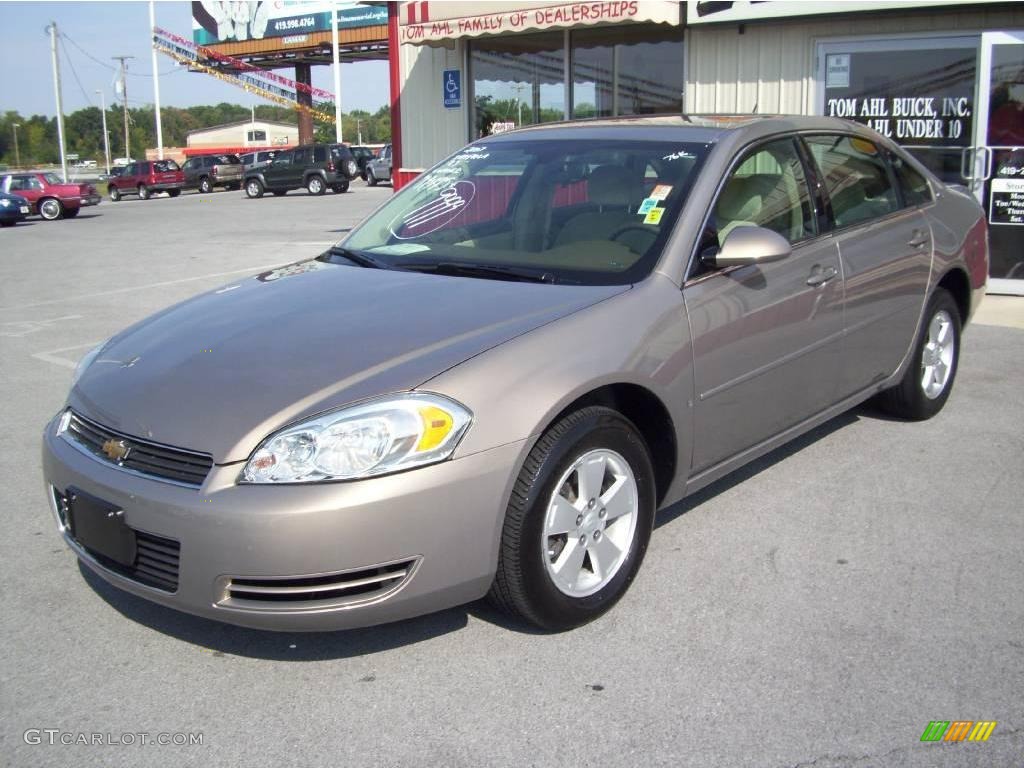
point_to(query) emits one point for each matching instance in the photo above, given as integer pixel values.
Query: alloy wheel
(937, 355)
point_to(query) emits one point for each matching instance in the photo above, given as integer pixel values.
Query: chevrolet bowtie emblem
(116, 450)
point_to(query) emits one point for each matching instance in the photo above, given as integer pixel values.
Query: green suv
(317, 167)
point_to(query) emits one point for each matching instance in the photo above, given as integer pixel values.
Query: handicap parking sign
(452, 90)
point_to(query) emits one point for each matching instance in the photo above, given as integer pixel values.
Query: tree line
(83, 129)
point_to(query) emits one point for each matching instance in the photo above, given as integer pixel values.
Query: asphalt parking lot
(820, 608)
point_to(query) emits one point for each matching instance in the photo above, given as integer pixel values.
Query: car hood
(221, 371)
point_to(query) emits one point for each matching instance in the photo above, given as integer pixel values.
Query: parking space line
(63, 362)
(163, 283)
(17, 328)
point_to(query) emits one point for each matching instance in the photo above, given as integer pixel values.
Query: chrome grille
(304, 592)
(145, 457)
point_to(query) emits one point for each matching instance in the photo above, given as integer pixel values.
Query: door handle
(919, 239)
(821, 276)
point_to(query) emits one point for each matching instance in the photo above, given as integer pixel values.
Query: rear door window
(856, 178)
(913, 186)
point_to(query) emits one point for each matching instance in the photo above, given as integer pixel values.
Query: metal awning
(426, 22)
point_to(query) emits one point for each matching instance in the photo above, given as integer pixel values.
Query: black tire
(315, 185)
(173, 192)
(341, 187)
(115, 194)
(143, 192)
(70, 213)
(235, 186)
(50, 208)
(253, 188)
(371, 177)
(908, 399)
(522, 585)
(205, 186)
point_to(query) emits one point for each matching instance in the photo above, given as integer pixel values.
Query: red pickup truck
(145, 178)
(48, 195)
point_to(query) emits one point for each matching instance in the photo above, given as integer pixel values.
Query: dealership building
(945, 79)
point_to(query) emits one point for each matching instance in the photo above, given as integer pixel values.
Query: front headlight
(5, 202)
(373, 438)
(85, 362)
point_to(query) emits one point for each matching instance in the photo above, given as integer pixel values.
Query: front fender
(640, 337)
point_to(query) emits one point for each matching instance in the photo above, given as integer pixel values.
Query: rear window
(163, 166)
(226, 159)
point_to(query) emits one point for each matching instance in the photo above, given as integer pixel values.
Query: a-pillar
(304, 75)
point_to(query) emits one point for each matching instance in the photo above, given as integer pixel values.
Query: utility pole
(52, 29)
(359, 131)
(17, 155)
(337, 72)
(124, 98)
(156, 86)
(106, 135)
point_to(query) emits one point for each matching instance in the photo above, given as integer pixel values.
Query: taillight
(214, 172)
(330, 167)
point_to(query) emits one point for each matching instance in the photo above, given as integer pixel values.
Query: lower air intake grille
(304, 592)
(156, 562)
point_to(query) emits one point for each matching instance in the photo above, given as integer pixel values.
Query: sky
(104, 29)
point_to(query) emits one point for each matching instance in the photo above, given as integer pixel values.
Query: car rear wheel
(341, 187)
(115, 194)
(371, 178)
(315, 185)
(50, 208)
(143, 192)
(578, 522)
(253, 188)
(205, 186)
(928, 380)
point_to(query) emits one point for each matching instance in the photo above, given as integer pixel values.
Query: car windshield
(592, 212)
(162, 166)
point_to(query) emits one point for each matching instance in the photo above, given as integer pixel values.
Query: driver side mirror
(750, 245)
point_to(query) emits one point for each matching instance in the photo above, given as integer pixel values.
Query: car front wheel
(50, 208)
(115, 194)
(205, 186)
(578, 522)
(371, 178)
(928, 380)
(253, 188)
(143, 192)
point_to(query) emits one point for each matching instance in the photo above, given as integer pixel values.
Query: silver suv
(208, 171)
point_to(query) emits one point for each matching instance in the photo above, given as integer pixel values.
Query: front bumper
(14, 213)
(437, 528)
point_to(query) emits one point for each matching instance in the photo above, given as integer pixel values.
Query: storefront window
(517, 80)
(628, 70)
(921, 97)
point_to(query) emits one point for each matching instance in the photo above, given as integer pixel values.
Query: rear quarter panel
(960, 237)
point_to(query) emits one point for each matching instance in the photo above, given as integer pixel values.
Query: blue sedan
(13, 209)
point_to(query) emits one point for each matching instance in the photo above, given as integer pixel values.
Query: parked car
(493, 382)
(146, 178)
(48, 194)
(363, 156)
(208, 171)
(13, 208)
(379, 168)
(317, 167)
(253, 160)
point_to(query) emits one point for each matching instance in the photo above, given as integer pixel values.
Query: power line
(115, 69)
(75, 73)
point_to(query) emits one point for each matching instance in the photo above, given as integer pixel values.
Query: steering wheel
(646, 229)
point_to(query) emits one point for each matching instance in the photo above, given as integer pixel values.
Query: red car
(146, 177)
(49, 196)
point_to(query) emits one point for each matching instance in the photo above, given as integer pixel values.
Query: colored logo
(958, 730)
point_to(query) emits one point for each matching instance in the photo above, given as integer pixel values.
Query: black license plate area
(100, 527)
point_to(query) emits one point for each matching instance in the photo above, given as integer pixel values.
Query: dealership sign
(428, 21)
(214, 21)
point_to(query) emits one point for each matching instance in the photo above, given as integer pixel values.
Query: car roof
(701, 128)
